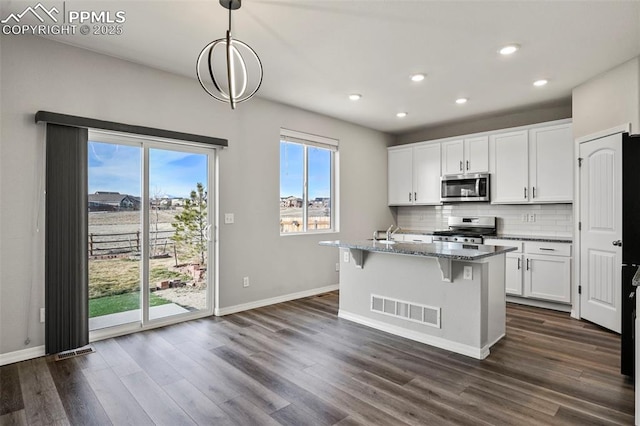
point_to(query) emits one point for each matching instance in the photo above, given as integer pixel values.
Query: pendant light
(234, 58)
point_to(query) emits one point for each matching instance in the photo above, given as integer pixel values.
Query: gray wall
(608, 100)
(520, 117)
(38, 74)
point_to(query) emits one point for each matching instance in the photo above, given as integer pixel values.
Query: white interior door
(601, 218)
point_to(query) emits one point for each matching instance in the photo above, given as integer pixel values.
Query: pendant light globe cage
(228, 69)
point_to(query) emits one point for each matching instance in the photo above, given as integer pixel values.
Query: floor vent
(423, 314)
(76, 352)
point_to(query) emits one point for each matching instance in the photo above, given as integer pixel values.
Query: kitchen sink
(385, 241)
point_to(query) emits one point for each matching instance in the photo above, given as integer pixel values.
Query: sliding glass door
(179, 232)
(150, 209)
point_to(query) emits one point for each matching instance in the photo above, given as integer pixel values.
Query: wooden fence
(292, 224)
(124, 243)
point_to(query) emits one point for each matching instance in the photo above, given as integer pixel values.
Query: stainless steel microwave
(469, 187)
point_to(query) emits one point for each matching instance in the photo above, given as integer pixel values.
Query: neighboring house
(290, 202)
(320, 202)
(113, 201)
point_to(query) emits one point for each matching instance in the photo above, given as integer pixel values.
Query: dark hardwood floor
(296, 363)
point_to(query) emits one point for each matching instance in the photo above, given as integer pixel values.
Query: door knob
(617, 243)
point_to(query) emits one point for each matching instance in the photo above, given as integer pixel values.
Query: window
(307, 183)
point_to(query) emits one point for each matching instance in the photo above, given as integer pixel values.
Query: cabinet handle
(617, 243)
(534, 192)
(525, 192)
(460, 165)
(467, 164)
(527, 264)
(518, 264)
(410, 197)
(415, 196)
(547, 249)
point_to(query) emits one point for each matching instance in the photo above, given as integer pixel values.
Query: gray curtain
(66, 263)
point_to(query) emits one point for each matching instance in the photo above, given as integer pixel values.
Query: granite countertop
(447, 250)
(636, 278)
(539, 238)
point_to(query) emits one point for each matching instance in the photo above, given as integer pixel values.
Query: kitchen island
(448, 295)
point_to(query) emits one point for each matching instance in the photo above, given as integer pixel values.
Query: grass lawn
(121, 303)
(109, 277)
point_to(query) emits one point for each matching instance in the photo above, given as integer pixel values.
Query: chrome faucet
(390, 232)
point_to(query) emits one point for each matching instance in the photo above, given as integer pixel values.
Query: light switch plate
(229, 218)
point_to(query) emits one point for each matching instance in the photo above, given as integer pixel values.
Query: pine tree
(191, 224)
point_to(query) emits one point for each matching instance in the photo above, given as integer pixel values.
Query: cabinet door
(551, 164)
(400, 176)
(548, 278)
(476, 153)
(513, 275)
(510, 168)
(426, 172)
(452, 157)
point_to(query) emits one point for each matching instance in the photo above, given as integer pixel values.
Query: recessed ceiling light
(355, 96)
(540, 83)
(401, 114)
(417, 77)
(509, 49)
(461, 101)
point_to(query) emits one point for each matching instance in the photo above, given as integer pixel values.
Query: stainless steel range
(467, 229)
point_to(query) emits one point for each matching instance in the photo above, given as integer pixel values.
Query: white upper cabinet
(528, 165)
(414, 175)
(465, 156)
(476, 153)
(510, 168)
(532, 166)
(400, 176)
(551, 164)
(426, 174)
(452, 157)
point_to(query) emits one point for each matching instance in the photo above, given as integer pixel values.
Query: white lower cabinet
(537, 270)
(513, 274)
(548, 278)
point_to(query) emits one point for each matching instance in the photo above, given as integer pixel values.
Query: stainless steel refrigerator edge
(630, 246)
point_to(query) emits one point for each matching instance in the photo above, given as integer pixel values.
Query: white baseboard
(539, 303)
(22, 355)
(273, 300)
(438, 342)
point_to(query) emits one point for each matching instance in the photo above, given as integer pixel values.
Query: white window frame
(309, 140)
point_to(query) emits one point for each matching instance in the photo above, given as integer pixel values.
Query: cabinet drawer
(549, 249)
(507, 243)
(417, 238)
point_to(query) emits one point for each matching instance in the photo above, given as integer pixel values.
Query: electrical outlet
(345, 257)
(245, 282)
(42, 315)
(229, 218)
(524, 217)
(468, 273)
(532, 217)
(337, 267)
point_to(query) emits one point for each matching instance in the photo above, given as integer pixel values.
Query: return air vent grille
(422, 314)
(74, 353)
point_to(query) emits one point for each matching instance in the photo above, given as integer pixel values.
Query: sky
(117, 168)
(292, 171)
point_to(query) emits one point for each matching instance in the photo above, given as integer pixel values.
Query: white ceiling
(316, 52)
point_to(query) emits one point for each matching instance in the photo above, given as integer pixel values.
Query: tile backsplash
(550, 219)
